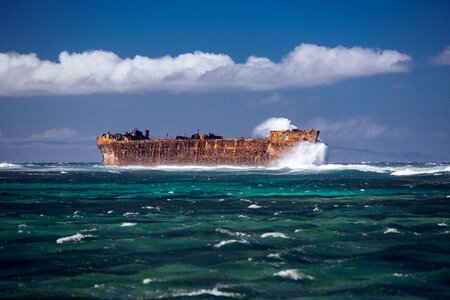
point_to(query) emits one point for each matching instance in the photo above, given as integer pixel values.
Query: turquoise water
(87, 231)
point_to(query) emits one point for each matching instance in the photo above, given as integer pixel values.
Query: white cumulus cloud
(442, 58)
(105, 72)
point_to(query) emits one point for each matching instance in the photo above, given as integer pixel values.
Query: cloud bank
(359, 127)
(104, 72)
(442, 58)
(57, 134)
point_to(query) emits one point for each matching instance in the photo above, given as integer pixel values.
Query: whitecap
(127, 224)
(223, 243)
(127, 214)
(409, 171)
(73, 238)
(230, 233)
(5, 165)
(303, 155)
(254, 206)
(293, 274)
(442, 224)
(21, 228)
(246, 200)
(152, 207)
(147, 280)
(214, 292)
(400, 275)
(274, 255)
(391, 230)
(244, 216)
(274, 235)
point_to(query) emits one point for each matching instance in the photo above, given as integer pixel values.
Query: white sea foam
(265, 127)
(391, 230)
(306, 158)
(443, 224)
(128, 214)
(254, 206)
(303, 155)
(400, 275)
(274, 255)
(127, 224)
(213, 292)
(392, 170)
(408, 171)
(293, 274)
(5, 165)
(302, 159)
(223, 243)
(21, 228)
(157, 208)
(148, 280)
(231, 233)
(274, 235)
(73, 238)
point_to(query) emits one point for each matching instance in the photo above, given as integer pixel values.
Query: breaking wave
(73, 238)
(5, 165)
(293, 274)
(212, 292)
(303, 154)
(304, 159)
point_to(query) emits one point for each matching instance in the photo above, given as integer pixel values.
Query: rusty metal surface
(206, 152)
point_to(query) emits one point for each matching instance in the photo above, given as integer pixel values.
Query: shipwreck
(136, 148)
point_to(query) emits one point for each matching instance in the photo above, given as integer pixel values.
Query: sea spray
(303, 155)
(265, 127)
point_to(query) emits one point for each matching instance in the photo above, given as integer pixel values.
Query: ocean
(314, 231)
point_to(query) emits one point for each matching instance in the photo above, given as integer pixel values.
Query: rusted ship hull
(202, 152)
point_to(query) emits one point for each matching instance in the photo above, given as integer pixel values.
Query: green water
(335, 231)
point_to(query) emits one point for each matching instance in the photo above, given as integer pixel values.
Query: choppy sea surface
(334, 230)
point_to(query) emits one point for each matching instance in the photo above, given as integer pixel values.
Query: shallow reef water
(317, 231)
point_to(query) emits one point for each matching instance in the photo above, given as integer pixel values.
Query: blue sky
(370, 105)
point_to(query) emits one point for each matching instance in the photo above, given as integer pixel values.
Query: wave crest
(303, 154)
